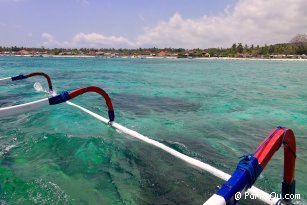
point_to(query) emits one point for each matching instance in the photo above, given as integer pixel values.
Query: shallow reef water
(212, 110)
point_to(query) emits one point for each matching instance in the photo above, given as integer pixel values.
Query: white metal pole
(263, 196)
(17, 109)
(5, 80)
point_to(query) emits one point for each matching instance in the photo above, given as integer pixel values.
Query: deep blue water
(212, 110)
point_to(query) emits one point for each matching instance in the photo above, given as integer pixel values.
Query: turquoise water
(212, 110)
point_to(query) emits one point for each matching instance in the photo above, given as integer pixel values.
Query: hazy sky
(149, 23)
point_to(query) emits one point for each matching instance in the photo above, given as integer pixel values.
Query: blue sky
(143, 23)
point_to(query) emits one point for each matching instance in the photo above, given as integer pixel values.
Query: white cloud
(50, 41)
(88, 40)
(249, 21)
(99, 40)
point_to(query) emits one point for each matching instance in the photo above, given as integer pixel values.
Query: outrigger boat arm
(17, 109)
(243, 178)
(62, 97)
(21, 77)
(250, 167)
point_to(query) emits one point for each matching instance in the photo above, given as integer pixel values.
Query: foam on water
(8, 148)
(38, 87)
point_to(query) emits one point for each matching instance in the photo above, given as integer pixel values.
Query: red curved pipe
(98, 90)
(272, 143)
(41, 74)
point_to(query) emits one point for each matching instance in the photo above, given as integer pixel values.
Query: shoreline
(254, 59)
(158, 57)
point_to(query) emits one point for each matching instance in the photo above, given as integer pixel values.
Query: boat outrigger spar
(241, 181)
(57, 99)
(21, 77)
(250, 167)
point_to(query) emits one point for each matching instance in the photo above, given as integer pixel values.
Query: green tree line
(235, 50)
(252, 50)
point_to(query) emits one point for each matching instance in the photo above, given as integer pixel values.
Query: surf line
(262, 195)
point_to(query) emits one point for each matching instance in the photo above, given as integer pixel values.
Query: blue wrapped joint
(62, 97)
(111, 115)
(19, 77)
(288, 190)
(243, 177)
